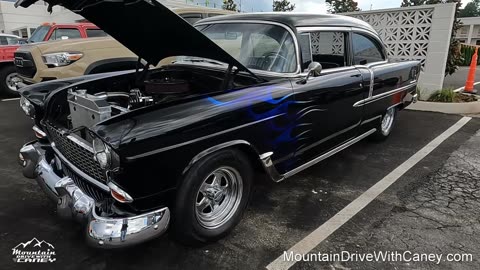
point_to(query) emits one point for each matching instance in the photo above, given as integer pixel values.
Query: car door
(327, 116)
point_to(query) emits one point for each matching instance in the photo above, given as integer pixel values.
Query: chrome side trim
(269, 167)
(200, 139)
(371, 119)
(302, 150)
(372, 78)
(79, 172)
(292, 33)
(213, 149)
(381, 96)
(328, 154)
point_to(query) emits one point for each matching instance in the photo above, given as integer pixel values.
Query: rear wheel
(8, 81)
(385, 127)
(212, 197)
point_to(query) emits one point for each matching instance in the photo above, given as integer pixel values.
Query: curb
(449, 108)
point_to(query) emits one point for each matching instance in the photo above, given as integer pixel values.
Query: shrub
(444, 95)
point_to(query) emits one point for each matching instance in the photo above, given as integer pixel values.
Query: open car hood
(149, 29)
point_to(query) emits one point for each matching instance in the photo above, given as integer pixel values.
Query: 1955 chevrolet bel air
(132, 153)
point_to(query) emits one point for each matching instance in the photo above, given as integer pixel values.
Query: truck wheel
(212, 197)
(8, 80)
(385, 126)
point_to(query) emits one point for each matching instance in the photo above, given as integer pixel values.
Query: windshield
(257, 46)
(39, 34)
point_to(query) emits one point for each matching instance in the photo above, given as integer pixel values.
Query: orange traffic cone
(471, 74)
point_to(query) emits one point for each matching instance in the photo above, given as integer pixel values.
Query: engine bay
(97, 101)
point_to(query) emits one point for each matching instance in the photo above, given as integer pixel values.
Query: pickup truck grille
(25, 64)
(88, 188)
(78, 155)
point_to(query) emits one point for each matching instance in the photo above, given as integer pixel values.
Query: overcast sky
(313, 6)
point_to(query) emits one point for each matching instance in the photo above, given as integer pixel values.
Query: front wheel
(212, 197)
(8, 81)
(384, 128)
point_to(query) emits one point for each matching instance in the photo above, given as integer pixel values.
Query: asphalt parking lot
(432, 208)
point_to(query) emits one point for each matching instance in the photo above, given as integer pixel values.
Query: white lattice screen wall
(416, 33)
(404, 33)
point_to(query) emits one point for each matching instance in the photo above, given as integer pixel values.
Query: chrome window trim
(382, 95)
(303, 29)
(291, 32)
(78, 171)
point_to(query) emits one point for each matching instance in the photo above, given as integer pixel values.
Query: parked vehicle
(71, 58)
(9, 77)
(274, 93)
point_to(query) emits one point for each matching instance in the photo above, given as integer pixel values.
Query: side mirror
(314, 69)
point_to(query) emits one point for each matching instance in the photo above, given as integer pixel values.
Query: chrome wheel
(387, 121)
(218, 197)
(11, 81)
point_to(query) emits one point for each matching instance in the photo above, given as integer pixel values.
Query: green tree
(472, 9)
(283, 5)
(341, 6)
(229, 5)
(454, 55)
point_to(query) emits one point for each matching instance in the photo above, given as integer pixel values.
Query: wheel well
(6, 64)
(252, 156)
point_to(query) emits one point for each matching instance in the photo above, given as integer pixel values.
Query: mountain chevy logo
(34, 251)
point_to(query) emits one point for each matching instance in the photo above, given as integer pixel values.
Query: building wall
(470, 31)
(416, 33)
(12, 18)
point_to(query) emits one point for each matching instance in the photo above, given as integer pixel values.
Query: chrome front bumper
(72, 202)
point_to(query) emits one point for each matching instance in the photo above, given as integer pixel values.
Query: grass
(448, 95)
(443, 95)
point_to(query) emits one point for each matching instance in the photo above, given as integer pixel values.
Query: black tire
(5, 71)
(383, 131)
(187, 226)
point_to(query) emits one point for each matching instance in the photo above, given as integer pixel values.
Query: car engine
(87, 110)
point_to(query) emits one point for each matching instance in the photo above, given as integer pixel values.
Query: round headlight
(101, 153)
(27, 107)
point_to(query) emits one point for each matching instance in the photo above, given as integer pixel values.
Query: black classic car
(135, 152)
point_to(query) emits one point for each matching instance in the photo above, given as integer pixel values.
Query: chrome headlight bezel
(27, 107)
(102, 154)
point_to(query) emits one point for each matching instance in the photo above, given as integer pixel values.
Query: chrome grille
(88, 188)
(76, 154)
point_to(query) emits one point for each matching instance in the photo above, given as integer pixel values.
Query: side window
(96, 33)
(191, 18)
(365, 50)
(65, 33)
(12, 40)
(3, 41)
(328, 49)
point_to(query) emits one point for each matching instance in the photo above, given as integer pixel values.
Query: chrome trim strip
(80, 142)
(214, 149)
(303, 29)
(266, 159)
(370, 120)
(302, 150)
(328, 154)
(382, 95)
(79, 172)
(290, 30)
(39, 131)
(156, 151)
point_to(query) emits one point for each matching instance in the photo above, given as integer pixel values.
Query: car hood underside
(148, 28)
